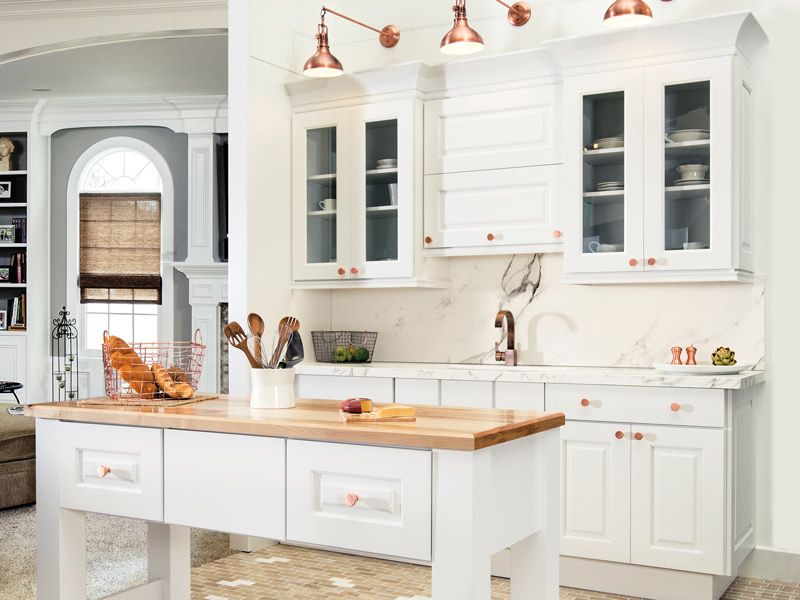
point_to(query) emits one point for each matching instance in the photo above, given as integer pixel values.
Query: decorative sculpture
(6, 150)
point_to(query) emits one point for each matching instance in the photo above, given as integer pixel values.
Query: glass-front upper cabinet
(604, 171)
(688, 115)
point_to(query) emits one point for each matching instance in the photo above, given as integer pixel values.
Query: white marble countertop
(533, 374)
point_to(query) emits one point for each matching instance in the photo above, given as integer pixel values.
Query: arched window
(120, 246)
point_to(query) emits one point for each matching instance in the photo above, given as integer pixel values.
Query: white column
(202, 194)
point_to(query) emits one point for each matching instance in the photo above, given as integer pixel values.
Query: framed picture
(5, 189)
(6, 234)
(5, 274)
(3, 322)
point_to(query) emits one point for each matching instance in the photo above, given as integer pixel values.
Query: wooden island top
(319, 420)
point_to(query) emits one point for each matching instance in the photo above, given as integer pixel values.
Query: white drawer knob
(103, 470)
(351, 499)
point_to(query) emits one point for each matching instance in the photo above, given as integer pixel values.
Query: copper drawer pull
(633, 262)
(351, 499)
(103, 470)
(619, 435)
(638, 436)
(557, 233)
(354, 271)
(584, 402)
(341, 271)
(651, 262)
(490, 236)
(674, 407)
(428, 239)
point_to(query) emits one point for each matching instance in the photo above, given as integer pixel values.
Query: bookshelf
(13, 236)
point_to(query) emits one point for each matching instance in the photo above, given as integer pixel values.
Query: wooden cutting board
(374, 417)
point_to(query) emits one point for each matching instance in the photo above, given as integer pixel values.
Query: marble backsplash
(556, 323)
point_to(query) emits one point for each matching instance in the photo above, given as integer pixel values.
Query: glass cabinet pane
(321, 195)
(687, 177)
(382, 192)
(604, 173)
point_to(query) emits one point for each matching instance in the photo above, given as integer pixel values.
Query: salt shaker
(676, 355)
(690, 352)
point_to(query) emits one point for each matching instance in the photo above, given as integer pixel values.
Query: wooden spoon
(256, 325)
(238, 339)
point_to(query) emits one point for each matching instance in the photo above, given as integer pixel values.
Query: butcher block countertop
(319, 420)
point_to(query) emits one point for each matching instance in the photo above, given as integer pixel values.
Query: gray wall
(66, 147)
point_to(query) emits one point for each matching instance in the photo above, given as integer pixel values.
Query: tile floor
(290, 573)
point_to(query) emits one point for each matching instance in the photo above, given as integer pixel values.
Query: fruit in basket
(340, 354)
(168, 384)
(723, 357)
(360, 354)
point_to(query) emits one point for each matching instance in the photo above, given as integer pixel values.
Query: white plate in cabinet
(111, 469)
(248, 493)
(332, 387)
(519, 396)
(494, 211)
(511, 128)
(631, 404)
(416, 391)
(362, 498)
(678, 498)
(467, 394)
(595, 491)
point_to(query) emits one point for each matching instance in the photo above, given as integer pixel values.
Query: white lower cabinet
(678, 498)
(519, 396)
(368, 499)
(252, 505)
(13, 351)
(596, 490)
(467, 394)
(416, 391)
(332, 387)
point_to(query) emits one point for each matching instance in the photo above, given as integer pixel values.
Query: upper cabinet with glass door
(659, 156)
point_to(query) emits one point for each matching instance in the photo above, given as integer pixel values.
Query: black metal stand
(64, 357)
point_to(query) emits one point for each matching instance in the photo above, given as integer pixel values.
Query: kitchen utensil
(702, 369)
(286, 326)
(256, 325)
(238, 339)
(327, 204)
(688, 135)
(295, 353)
(258, 349)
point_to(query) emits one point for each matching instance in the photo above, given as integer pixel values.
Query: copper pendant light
(325, 64)
(628, 13)
(463, 39)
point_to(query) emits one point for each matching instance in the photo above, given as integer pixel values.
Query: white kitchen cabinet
(518, 396)
(677, 498)
(331, 387)
(595, 490)
(497, 211)
(467, 394)
(416, 391)
(13, 363)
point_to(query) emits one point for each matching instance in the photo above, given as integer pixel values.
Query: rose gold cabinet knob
(674, 407)
(351, 499)
(490, 236)
(651, 261)
(354, 270)
(103, 470)
(633, 262)
(584, 402)
(428, 239)
(341, 271)
(638, 436)
(557, 233)
(619, 435)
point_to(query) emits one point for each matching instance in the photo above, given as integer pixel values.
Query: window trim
(86, 159)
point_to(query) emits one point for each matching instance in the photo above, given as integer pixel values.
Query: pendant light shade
(323, 63)
(461, 39)
(628, 13)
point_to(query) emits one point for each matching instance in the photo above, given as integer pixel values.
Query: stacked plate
(610, 186)
(386, 163)
(692, 181)
(616, 141)
(688, 135)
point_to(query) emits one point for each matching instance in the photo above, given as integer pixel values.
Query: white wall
(613, 325)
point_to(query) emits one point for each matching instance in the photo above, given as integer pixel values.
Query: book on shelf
(16, 312)
(17, 269)
(20, 225)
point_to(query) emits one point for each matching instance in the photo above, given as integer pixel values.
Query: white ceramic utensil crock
(272, 388)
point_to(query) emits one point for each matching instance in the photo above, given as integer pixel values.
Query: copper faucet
(509, 355)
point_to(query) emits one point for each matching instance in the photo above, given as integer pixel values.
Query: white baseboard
(248, 543)
(772, 564)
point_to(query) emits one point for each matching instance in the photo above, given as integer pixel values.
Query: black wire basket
(344, 346)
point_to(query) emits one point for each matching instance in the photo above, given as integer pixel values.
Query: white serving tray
(701, 369)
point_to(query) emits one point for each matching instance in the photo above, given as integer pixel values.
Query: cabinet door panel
(13, 362)
(511, 128)
(677, 498)
(519, 396)
(488, 209)
(332, 387)
(471, 394)
(595, 491)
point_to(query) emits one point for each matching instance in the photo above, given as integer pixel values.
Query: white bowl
(612, 142)
(693, 172)
(688, 135)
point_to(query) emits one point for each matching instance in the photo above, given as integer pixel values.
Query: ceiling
(196, 65)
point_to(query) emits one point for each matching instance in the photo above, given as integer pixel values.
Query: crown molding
(56, 9)
(17, 114)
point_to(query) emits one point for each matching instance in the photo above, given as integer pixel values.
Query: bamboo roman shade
(120, 248)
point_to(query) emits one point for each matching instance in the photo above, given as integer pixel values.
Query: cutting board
(373, 418)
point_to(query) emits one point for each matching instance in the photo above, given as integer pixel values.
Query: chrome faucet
(509, 355)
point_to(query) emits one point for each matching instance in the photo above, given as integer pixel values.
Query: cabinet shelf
(604, 156)
(322, 177)
(10, 173)
(13, 205)
(13, 285)
(322, 213)
(679, 192)
(598, 198)
(381, 211)
(688, 151)
(14, 245)
(382, 176)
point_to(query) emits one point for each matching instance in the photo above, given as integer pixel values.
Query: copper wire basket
(183, 360)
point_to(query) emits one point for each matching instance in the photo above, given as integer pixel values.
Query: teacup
(328, 204)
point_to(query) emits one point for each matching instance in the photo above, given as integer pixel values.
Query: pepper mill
(690, 352)
(676, 355)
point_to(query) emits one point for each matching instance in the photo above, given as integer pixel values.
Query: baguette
(131, 369)
(168, 385)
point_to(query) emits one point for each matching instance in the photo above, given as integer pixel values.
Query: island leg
(461, 566)
(534, 559)
(169, 559)
(60, 533)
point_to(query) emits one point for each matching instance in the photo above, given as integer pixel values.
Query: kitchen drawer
(111, 469)
(359, 497)
(332, 387)
(519, 396)
(225, 482)
(630, 404)
(470, 394)
(416, 391)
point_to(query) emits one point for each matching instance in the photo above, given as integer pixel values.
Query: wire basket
(344, 346)
(126, 379)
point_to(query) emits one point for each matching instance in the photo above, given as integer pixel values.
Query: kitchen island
(452, 488)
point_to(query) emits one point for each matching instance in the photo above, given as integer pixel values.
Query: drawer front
(416, 391)
(519, 396)
(630, 404)
(359, 497)
(332, 387)
(470, 394)
(111, 469)
(225, 482)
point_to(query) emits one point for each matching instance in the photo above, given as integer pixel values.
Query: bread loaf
(169, 386)
(130, 367)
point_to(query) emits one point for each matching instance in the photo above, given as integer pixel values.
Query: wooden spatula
(238, 339)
